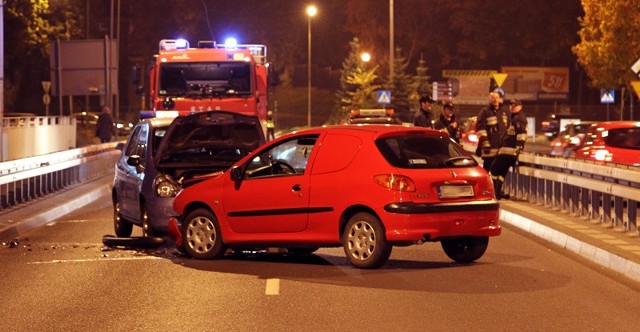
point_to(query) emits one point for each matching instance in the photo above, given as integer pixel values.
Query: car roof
(371, 129)
(158, 122)
(617, 124)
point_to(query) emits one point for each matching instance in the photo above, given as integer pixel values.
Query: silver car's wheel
(122, 227)
(144, 218)
(201, 235)
(364, 241)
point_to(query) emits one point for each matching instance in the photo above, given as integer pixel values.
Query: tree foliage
(401, 86)
(609, 43)
(357, 83)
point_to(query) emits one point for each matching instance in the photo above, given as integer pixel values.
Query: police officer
(492, 125)
(447, 121)
(512, 145)
(424, 117)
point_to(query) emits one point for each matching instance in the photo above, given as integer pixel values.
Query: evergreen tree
(357, 84)
(401, 87)
(421, 85)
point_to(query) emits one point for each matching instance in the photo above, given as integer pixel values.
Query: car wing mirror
(236, 173)
(119, 146)
(134, 160)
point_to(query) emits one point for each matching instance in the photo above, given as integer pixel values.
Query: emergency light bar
(173, 44)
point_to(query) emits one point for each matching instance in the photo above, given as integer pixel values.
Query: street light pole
(311, 11)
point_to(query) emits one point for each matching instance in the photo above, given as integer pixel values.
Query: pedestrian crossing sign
(384, 97)
(607, 96)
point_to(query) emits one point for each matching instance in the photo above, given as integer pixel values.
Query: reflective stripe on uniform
(507, 150)
(521, 137)
(492, 121)
(481, 132)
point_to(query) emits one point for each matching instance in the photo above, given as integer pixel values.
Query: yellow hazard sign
(636, 87)
(499, 78)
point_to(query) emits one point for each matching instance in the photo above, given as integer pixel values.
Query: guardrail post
(618, 208)
(606, 208)
(632, 214)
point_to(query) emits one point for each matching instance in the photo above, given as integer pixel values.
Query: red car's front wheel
(201, 236)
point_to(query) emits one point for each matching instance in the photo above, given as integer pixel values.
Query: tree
(357, 83)
(30, 26)
(609, 42)
(420, 85)
(401, 87)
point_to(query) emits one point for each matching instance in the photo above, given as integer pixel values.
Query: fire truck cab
(211, 76)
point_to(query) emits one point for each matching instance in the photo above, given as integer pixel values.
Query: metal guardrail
(25, 179)
(603, 192)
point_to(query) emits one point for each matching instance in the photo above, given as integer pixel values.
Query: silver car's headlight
(164, 186)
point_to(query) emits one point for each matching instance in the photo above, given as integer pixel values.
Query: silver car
(161, 156)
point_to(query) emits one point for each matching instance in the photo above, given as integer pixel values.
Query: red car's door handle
(296, 187)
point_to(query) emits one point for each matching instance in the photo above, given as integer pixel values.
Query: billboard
(537, 83)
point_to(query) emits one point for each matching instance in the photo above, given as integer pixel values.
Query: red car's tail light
(395, 182)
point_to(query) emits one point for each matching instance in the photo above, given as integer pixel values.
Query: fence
(25, 179)
(603, 192)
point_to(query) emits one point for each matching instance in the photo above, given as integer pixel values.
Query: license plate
(455, 191)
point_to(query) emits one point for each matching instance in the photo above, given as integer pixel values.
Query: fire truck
(211, 76)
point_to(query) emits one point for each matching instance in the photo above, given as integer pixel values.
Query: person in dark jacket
(492, 125)
(424, 117)
(447, 121)
(512, 145)
(104, 126)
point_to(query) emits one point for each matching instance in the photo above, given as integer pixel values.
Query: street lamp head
(366, 57)
(312, 11)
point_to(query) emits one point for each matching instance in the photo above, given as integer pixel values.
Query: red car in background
(468, 136)
(365, 188)
(612, 141)
(570, 139)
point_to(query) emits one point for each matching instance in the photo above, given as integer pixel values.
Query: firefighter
(492, 125)
(512, 146)
(271, 126)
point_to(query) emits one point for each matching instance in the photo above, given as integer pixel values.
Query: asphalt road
(61, 278)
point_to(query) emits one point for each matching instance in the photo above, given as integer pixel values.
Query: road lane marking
(97, 260)
(273, 287)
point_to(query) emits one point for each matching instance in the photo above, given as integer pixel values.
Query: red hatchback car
(612, 141)
(365, 188)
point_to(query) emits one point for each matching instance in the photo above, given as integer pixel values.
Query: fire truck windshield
(205, 79)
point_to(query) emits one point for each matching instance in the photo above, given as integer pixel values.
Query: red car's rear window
(625, 138)
(423, 151)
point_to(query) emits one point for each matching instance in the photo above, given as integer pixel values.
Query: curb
(597, 255)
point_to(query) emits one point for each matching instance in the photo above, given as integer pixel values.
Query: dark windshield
(205, 79)
(423, 151)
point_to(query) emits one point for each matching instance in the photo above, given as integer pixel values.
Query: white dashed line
(273, 287)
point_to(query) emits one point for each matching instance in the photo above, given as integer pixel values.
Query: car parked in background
(365, 188)
(373, 116)
(612, 141)
(468, 136)
(570, 139)
(162, 154)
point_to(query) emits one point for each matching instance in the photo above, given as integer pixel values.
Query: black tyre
(465, 249)
(302, 251)
(135, 242)
(201, 236)
(122, 227)
(364, 242)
